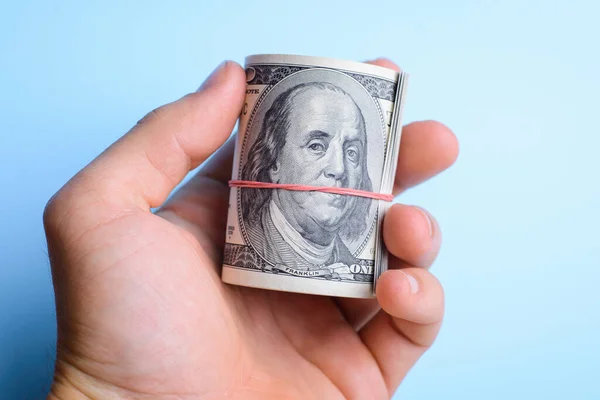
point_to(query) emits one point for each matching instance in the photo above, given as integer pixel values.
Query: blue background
(517, 81)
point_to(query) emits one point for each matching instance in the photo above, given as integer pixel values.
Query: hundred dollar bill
(320, 122)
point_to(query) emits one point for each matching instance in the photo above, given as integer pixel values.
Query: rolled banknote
(313, 171)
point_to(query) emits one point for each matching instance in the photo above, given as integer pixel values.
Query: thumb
(141, 169)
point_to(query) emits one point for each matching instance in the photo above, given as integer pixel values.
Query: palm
(172, 310)
(142, 312)
(278, 339)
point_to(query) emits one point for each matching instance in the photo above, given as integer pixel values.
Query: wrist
(70, 383)
(61, 391)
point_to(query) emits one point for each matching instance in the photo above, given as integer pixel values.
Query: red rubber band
(307, 188)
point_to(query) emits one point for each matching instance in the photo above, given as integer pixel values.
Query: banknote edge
(326, 62)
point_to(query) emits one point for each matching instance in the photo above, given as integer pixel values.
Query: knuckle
(154, 115)
(63, 207)
(151, 116)
(54, 210)
(170, 109)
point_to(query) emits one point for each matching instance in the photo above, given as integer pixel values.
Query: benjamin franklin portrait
(313, 133)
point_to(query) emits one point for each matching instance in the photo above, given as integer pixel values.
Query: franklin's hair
(265, 151)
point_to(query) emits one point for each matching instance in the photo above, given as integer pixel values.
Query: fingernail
(428, 219)
(414, 284)
(214, 76)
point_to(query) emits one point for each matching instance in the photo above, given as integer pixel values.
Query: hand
(142, 312)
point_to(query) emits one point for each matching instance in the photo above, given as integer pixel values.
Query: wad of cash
(313, 173)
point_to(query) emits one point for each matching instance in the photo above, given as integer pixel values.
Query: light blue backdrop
(517, 81)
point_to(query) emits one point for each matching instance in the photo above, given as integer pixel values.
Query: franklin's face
(324, 146)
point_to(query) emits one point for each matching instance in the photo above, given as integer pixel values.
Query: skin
(323, 148)
(141, 310)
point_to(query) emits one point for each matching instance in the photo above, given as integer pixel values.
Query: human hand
(142, 312)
